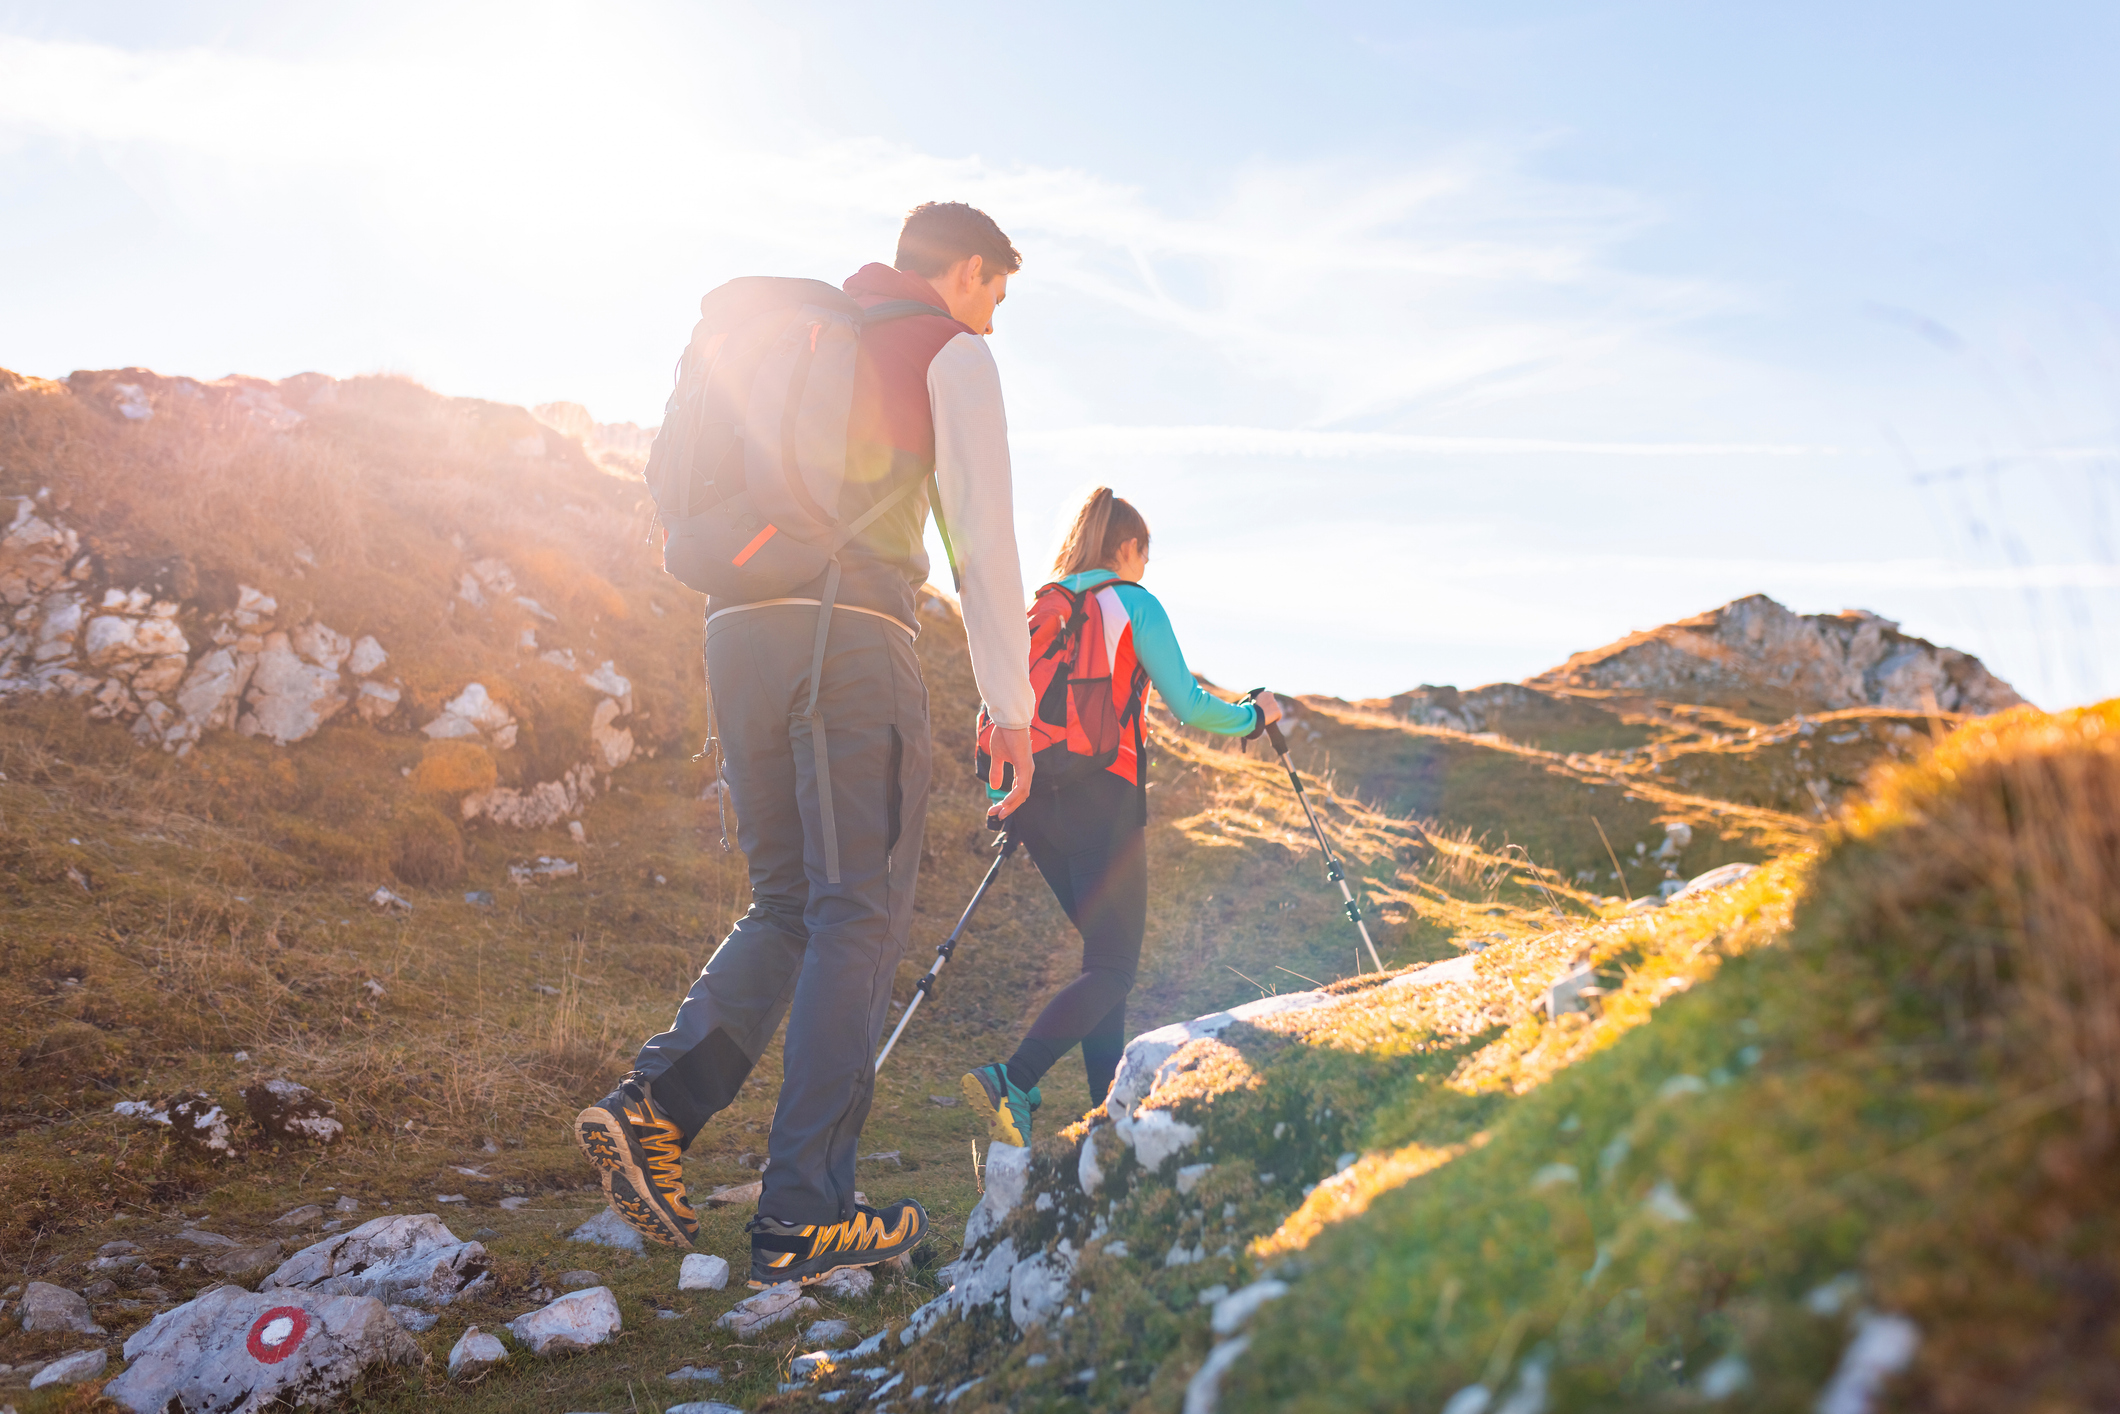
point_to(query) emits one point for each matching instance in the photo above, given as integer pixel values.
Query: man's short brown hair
(938, 234)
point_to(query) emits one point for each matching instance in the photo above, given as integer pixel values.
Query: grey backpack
(749, 465)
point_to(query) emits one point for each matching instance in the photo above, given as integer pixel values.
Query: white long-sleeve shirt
(973, 477)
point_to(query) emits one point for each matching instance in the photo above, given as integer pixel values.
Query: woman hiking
(1084, 823)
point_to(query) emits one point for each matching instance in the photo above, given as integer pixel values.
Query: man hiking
(832, 871)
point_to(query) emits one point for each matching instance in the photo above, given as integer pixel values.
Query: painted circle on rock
(274, 1335)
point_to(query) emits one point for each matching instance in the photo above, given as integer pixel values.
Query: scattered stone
(703, 1374)
(1205, 1386)
(701, 1271)
(479, 898)
(198, 1238)
(414, 1319)
(1721, 878)
(770, 1307)
(946, 1101)
(45, 1307)
(243, 1263)
(732, 1193)
(577, 1321)
(292, 1112)
(289, 699)
(848, 1283)
(271, 1346)
(347, 1204)
(412, 1259)
(71, 1369)
(577, 1279)
(97, 1290)
(828, 1333)
(703, 1406)
(450, 1198)
(510, 1204)
(1882, 1347)
(1232, 1311)
(545, 867)
(1189, 1177)
(1572, 992)
(299, 1217)
(1665, 1206)
(390, 901)
(804, 1367)
(471, 714)
(608, 1229)
(474, 1354)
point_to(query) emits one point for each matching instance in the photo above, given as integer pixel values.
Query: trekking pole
(1332, 861)
(926, 986)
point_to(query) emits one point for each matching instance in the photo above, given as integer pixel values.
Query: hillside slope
(258, 825)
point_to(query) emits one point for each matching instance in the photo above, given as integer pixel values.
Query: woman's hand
(1269, 709)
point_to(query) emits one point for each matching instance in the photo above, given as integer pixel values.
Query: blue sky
(1436, 341)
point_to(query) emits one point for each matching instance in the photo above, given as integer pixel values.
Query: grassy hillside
(194, 913)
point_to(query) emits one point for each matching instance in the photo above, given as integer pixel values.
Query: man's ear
(974, 271)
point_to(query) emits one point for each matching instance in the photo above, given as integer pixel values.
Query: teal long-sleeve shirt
(1156, 649)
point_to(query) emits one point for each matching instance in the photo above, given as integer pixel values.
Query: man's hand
(1011, 746)
(1269, 709)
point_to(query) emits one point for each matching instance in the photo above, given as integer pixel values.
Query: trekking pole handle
(1273, 729)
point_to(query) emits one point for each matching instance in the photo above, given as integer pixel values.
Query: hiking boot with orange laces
(640, 1154)
(807, 1252)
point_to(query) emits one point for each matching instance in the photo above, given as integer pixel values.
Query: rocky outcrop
(413, 1260)
(1754, 654)
(239, 1352)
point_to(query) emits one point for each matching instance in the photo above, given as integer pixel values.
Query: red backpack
(1084, 715)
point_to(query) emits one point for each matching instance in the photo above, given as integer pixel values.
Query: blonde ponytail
(1102, 525)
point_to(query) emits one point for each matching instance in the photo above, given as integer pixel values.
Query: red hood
(875, 282)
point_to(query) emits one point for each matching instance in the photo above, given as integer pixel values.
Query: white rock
(254, 606)
(413, 1259)
(471, 713)
(325, 647)
(1189, 1177)
(613, 744)
(1572, 991)
(1158, 1136)
(701, 1271)
(1235, 1309)
(287, 1110)
(577, 1321)
(109, 639)
(1205, 1387)
(71, 1369)
(848, 1283)
(1008, 1169)
(241, 1352)
(1144, 1056)
(707, 1374)
(770, 1307)
(1037, 1288)
(1720, 878)
(288, 698)
(474, 1353)
(1882, 1347)
(830, 1334)
(607, 680)
(366, 657)
(703, 1406)
(1665, 1206)
(212, 690)
(45, 1307)
(608, 1229)
(1089, 1169)
(374, 701)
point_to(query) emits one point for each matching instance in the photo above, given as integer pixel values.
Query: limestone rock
(244, 1263)
(614, 745)
(285, 1110)
(1007, 1174)
(473, 713)
(1205, 1387)
(702, 1271)
(1037, 1288)
(703, 1406)
(198, 1123)
(1753, 653)
(832, 1334)
(578, 1279)
(1572, 991)
(474, 1354)
(366, 656)
(374, 701)
(849, 1283)
(608, 1229)
(539, 807)
(1234, 1310)
(325, 647)
(413, 1259)
(1720, 878)
(770, 1307)
(45, 1307)
(288, 698)
(71, 1369)
(577, 1321)
(239, 1352)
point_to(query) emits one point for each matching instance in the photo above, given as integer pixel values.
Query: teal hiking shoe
(1007, 1109)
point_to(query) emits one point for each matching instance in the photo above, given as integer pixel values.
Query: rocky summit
(1742, 1037)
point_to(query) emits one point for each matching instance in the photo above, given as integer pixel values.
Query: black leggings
(1087, 839)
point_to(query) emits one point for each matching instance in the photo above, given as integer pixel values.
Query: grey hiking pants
(823, 955)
